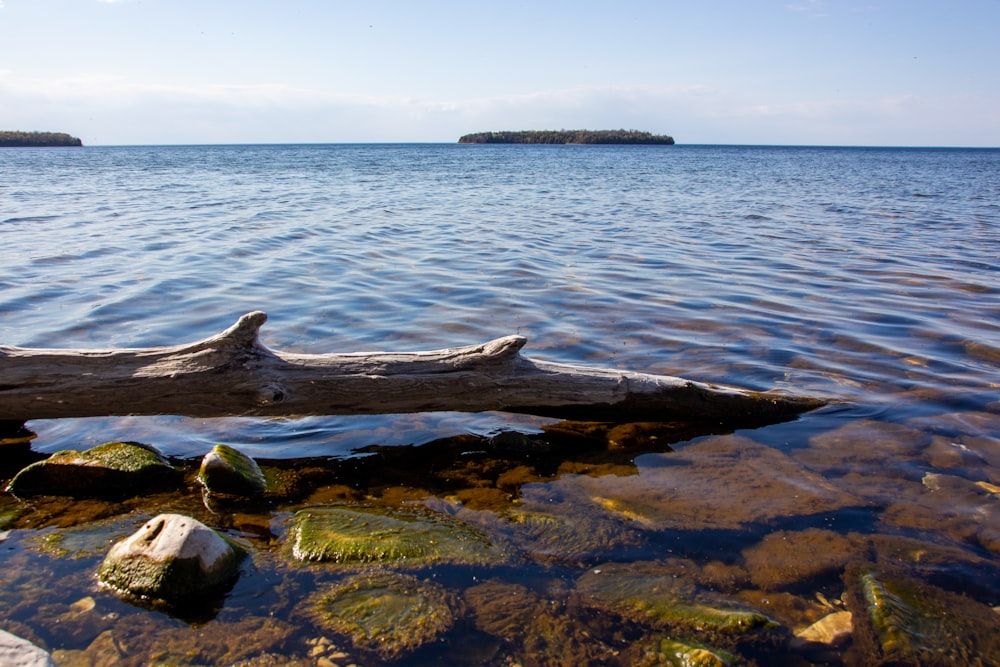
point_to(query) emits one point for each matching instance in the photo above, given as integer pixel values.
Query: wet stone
(539, 630)
(788, 558)
(358, 535)
(229, 471)
(667, 652)
(19, 652)
(114, 469)
(170, 558)
(650, 594)
(831, 630)
(386, 613)
(900, 620)
(723, 482)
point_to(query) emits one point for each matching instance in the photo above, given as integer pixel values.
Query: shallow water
(865, 276)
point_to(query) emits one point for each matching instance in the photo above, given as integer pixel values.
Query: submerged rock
(790, 558)
(170, 558)
(111, 469)
(720, 483)
(831, 630)
(900, 620)
(387, 613)
(362, 534)
(539, 630)
(229, 471)
(668, 652)
(649, 594)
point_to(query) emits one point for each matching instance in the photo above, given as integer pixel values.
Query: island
(567, 137)
(17, 138)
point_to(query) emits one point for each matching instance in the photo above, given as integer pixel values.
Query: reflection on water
(866, 276)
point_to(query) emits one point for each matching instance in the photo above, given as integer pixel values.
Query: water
(866, 276)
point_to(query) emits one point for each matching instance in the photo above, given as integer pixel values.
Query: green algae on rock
(666, 652)
(170, 558)
(111, 469)
(652, 595)
(387, 613)
(899, 620)
(229, 471)
(368, 534)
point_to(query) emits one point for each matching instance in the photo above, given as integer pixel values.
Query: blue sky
(826, 72)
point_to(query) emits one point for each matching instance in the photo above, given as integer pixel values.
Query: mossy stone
(901, 620)
(111, 469)
(360, 535)
(170, 558)
(667, 652)
(387, 613)
(646, 593)
(229, 471)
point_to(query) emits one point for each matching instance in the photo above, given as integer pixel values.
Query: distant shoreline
(18, 139)
(567, 137)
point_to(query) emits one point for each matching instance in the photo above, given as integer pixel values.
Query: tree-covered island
(17, 138)
(567, 137)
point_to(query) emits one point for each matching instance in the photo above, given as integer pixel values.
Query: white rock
(17, 652)
(170, 557)
(832, 630)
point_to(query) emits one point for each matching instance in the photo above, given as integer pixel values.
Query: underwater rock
(723, 482)
(656, 596)
(666, 652)
(229, 471)
(965, 510)
(169, 558)
(832, 630)
(586, 536)
(111, 469)
(539, 631)
(19, 652)
(387, 613)
(899, 620)
(789, 558)
(367, 534)
(863, 446)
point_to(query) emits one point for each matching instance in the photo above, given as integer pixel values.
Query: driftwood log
(232, 373)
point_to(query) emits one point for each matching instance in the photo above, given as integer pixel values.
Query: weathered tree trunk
(232, 373)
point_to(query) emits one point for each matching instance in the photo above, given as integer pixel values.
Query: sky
(783, 72)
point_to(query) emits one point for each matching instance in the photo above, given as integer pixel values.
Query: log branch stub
(232, 373)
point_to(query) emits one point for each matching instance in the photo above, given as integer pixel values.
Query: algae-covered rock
(229, 471)
(650, 594)
(387, 613)
(583, 536)
(170, 558)
(790, 558)
(539, 630)
(900, 620)
(111, 469)
(360, 535)
(666, 652)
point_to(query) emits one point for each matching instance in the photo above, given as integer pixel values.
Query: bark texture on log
(232, 374)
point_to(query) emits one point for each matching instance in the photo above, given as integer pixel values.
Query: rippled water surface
(866, 276)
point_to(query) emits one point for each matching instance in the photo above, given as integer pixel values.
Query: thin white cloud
(111, 110)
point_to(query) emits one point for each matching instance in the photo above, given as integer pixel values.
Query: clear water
(867, 276)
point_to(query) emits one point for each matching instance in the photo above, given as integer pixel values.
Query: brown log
(232, 373)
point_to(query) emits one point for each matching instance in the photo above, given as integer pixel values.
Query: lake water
(866, 276)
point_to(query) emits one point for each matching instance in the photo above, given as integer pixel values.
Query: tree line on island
(567, 137)
(16, 138)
